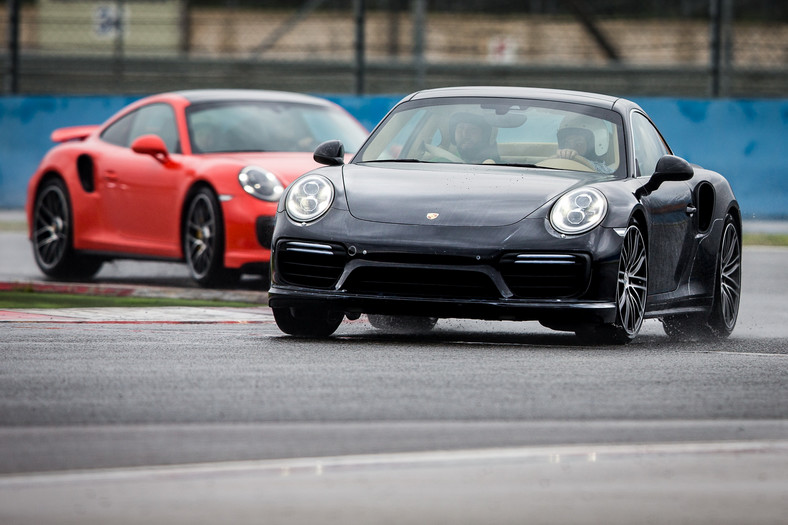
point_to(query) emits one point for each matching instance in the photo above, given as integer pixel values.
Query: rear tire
(307, 322)
(53, 235)
(721, 319)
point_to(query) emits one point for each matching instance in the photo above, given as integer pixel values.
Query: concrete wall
(745, 140)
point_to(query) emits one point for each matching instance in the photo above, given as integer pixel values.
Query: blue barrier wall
(25, 126)
(744, 140)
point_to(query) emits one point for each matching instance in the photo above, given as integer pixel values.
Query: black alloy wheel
(631, 294)
(632, 287)
(203, 240)
(727, 294)
(720, 321)
(53, 235)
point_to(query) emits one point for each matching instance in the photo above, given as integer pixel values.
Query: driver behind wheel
(585, 140)
(473, 138)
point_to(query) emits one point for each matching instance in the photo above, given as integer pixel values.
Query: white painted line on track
(749, 354)
(317, 466)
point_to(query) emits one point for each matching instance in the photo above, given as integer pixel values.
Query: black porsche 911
(500, 203)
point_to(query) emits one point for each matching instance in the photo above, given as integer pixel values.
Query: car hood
(286, 166)
(450, 195)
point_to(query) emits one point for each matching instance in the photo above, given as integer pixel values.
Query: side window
(156, 119)
(118, 132)
(399, 137)
(649, 146)
(403, 142)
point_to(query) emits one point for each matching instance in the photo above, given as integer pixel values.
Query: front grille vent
(421, 282)
(541, 276)
(316, 265)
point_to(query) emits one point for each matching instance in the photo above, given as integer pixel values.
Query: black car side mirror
(669, 168)
(330, 153)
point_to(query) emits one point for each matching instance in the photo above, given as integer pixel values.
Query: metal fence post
(720, 46)
(12, 76)
(727, 48)
(418, 8)
(358, 7)
(119, 48)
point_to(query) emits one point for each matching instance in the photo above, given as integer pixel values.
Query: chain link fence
(666, 47)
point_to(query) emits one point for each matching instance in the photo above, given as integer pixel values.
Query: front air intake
(421, 282)
(541, 276)
(310, 264)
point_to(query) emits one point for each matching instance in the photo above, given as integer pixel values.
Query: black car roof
(581, 97)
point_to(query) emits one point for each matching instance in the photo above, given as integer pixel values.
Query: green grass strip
(765, 239)
(30, 299)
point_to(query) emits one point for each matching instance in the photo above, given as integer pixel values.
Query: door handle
(111, 180)
(691, 210)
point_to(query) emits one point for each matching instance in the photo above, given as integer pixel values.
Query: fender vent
(705, 199)
(86, 172)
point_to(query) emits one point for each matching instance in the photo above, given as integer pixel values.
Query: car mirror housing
(330, 153)
(668, 168)
(151, 145)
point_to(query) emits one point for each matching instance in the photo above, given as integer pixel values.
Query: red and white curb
(157, 315)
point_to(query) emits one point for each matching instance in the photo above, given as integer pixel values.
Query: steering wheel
(442, 153)
(563, 164)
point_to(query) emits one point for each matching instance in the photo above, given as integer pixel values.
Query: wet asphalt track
(204, 415)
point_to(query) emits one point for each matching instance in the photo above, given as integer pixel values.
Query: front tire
(307, 322)
(203, 240)
(631, 294)
(53, 235)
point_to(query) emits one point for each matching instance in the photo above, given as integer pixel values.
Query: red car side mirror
(151, 145)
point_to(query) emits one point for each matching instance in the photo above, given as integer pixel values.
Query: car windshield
(500, 131)
(234, 126)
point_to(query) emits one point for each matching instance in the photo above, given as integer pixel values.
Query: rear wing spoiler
(72, 133)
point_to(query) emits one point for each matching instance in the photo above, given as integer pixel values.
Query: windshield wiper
(396, 160)
(525, 165)
(222, 151)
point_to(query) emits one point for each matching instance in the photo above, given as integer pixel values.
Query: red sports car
(190, 176)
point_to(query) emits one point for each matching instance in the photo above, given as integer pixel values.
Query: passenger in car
(577, 141)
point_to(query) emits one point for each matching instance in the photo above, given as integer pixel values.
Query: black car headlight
(260, 183)
(309, 198)
(578, 211)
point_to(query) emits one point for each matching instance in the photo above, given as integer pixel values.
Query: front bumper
(554, 288)
(249, 226)
(551, 312)
(523, 271)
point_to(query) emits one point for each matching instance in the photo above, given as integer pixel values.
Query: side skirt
(663, 304)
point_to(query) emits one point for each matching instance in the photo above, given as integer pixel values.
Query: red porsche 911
(192, 176)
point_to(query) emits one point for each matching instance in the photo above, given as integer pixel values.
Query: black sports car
(509, 203)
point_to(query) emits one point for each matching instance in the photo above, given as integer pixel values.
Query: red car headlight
(260, 183)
